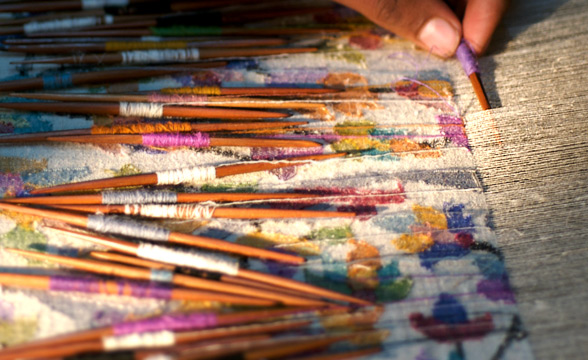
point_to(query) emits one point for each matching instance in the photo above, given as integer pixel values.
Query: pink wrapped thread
(175, 140)
(177, 322)
(99, 286)
(467, 57)
(178, 98)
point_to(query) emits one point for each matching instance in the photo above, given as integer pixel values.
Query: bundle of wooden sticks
(111, 41)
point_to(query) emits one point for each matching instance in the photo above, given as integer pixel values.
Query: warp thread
(193, 259)
(176, 322)
(187, 211)
(136, 109)
(196, 140)
(143, 45)
(187, 31)
(60, 81)
(112, 225)
(160, 55)
(134, 341)
(65, 24)
(139, 197)
(142, 128)
(200, 90)
(467, 57)
(112, 287)
(178, 98)
(98, 4)
(194, 175)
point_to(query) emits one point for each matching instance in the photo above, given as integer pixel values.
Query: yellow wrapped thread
(142, 128)
(201, 90)
(144, 45)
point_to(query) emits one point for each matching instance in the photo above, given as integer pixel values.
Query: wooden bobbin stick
(193, 112)
(237, 318)
(214, 141)
(64, 350)
(131, 248)
(96, 199)
(174, 237)
(222, 212)
(204, 54)
(104, 76)
(138, 273)
(151, 178)
(131, 260)
(207, 127)
(479, 90)
(111, 287)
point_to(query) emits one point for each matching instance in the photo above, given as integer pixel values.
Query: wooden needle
(199, 140)
(125, 288)
(97, 199)
(142, 128)
(193, 112)
(220, 320)
(138, 273)
(174, 237)
(131, 248)
(215, 212)
(203, 54)
(152, 178)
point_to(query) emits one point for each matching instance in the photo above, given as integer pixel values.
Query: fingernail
(439, 37)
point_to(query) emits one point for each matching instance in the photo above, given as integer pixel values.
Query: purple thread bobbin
(467, 57)
(178, 98)
(99, 286)
(167, 322)
(175, 140)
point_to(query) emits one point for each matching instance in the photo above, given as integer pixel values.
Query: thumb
(431, 24)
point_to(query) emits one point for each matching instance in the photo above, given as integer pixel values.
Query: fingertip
(439, 36)
(480, 21)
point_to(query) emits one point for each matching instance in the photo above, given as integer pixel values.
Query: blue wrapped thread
(52, 82)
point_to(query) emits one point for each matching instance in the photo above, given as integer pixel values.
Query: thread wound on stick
(143, 45)
(175, 322)
(149, 110)
(193, 259)
(171, 211)
(195, 175)
(139, 197)
(133, 341)
(119, 287)
(175, 140)
(142, 128)
(160, 55)
(467, 57)
(66, 24)
(199, 90)
(112, 225)
(161, 275)
(97, 4)
(60, 81)
(178, 98)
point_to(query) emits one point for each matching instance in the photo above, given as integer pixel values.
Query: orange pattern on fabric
(426, 215)
(413, 243)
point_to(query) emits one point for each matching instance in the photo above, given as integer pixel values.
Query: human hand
(435, 24)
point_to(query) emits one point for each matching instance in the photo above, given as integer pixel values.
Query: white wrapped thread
(112, 225)
(193, 259)
(160, 55)
(161, 275)
(139, 340)
(170, 211)
(98, 4)
(195, 175)
(149, 110)
(139, 197)
(66, 24)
